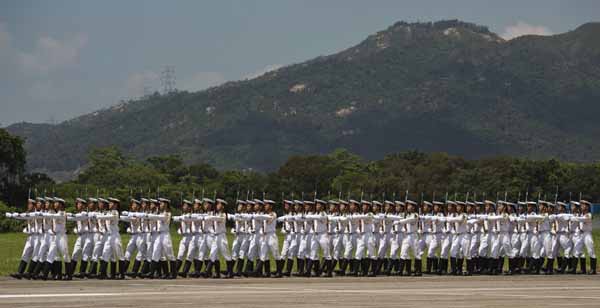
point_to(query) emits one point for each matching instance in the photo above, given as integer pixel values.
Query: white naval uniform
(217, 237)
(501, 237)
(269, 243)
(486, 238)
(98, 229)
(254, 232)
(365, 243)
(350, 234)
(431, 228)
(410, 242)
(584, 238)
(185, 230)
(545, 237)
(162, 245)
(45, 238)
(397, 237)
(563, 235)
(460, 240)
(82, 248)
(137, 239)
(515, 235)
(303, 238)
(320, 236)
(336, 239)
(533, 240)
(289, 249)
(447, 236)
(112, 250)
(32, 234)
(386, 235)
(239, 234)
(59, 245)
(476, 231)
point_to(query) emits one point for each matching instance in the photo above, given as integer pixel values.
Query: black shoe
(289, 265)
(113, 270)
(443, 266)
(82, 270)
(123, 266)
(249, 268)
(267, 268)
(592, 266)
(186, 269)
(418, 267)
(299, 267)
(239, 267)
(278, 268)
(173, 268)
(583, 265)
(572, 266)
(229, 271)
(20, 270)
(134, 269)
(102, 270)
(30, 270)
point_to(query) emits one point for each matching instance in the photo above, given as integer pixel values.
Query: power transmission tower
(167, 79)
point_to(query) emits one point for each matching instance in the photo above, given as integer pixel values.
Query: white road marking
(266, 290)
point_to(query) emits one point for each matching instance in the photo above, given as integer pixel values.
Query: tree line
(340, 173)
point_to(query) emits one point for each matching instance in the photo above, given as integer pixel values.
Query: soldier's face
(197, 206)
(286, 206)
(113, 205)
(297, 208)
(585, 208)
(410, 208)
(459, 208)
(56, 206)
(436, 208)
(319, 207)
(240, 207)
(375, 208)
(133, 206)
(510, 210)
(30, 206)
(268, 207)
(388, 207)
(219, 206)
(365, 207)
(426, 208)
(47, 205)
(39, 205)
(342, 207)
(257, 207)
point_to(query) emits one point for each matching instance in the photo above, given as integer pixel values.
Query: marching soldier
(58, 241)
(32, 237)
(185, 230)
(290, 242)
(137, 239)
(82, 248)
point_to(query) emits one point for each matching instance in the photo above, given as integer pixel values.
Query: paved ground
(429, 291)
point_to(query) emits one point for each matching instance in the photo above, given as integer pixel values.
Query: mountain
(446, 86)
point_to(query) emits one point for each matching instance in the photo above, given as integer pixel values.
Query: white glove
(7, 214)
(125, 213)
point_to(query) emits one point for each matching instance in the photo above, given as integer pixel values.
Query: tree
(12, 165)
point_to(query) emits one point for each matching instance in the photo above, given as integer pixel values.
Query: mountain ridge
(444, 86)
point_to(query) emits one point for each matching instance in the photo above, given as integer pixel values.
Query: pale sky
(61, 59)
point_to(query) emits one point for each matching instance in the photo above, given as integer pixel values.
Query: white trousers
(28, 249)
(565, 244)
(136, 242)
(59, 246)
(184, 245)
(337, 245)
(410, 244)
(396, 244)
(474, 245)
(460, 246)
(269, 244)
(44, 245)
(446, 244)
(99, 240)
(500, 245)
(290, 246)
(162, 246)
(349, 242)
(365, 246)
(432, 240)
(219, 245)
(112, 250)
(83, 247)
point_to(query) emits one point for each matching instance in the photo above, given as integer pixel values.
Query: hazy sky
(60, 59)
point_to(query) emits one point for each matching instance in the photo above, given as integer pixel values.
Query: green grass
(12, 246)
